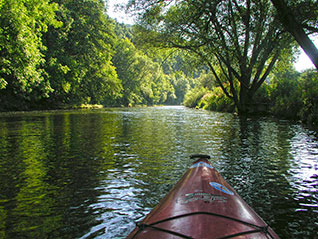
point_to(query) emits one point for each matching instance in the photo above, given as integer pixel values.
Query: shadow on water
(92, 174)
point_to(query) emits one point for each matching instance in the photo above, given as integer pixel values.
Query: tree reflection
(73, 174)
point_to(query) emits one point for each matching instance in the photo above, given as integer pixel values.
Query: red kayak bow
(202, 205)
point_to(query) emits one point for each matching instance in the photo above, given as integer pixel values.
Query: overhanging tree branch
(218, 80)
(310, 28)
(241, 35)
(295, 28)
(257, 83)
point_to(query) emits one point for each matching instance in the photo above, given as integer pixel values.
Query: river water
(93, 173)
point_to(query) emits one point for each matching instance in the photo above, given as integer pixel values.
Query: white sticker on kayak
(201, 196)
(201, 164)
(222, 188)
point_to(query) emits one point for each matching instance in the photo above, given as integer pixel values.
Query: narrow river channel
(94, 173)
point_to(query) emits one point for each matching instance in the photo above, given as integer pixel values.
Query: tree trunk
(245, 101)
(294, 28)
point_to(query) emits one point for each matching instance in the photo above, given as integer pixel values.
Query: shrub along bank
(288, 95)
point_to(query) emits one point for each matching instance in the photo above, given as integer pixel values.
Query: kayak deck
(202, 205)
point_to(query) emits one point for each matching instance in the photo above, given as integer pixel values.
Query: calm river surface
(92, 174)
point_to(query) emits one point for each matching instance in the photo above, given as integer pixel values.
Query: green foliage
(56, 52)
(285, 95)
(129, 65)
(194, 97)
(208, 95)
(142, 78)
(288, 94)
(181, 84)
(215, 100)
(239, 42)
(309, 95)
(22, 24)
(80, 54)
(295, 96)
(123, 31)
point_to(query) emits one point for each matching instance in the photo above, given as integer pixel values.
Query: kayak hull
(202, 205)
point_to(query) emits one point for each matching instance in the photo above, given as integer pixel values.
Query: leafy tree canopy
(22, 24)
(80, 54)
(239, 40)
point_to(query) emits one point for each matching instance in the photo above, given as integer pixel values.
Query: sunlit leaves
(81, 53)
(241, 38)
(54, 53)
(21, 57)
(143, 79)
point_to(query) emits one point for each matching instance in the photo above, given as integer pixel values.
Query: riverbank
(310, 120)
(292, 97)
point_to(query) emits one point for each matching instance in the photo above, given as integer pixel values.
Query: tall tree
(80, 53)
(142, 78)
(22, 24)
(240, 41)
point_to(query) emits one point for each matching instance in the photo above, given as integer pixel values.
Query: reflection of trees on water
(259, 167)
(89, 174)
(51, 170)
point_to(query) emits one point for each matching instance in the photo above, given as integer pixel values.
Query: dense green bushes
(213, 100)
(67, 53)
(54, 53)
(195, 96)
(309, 95)
(207, 95)
(285, 97)
(290, 95)
(295, 96)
